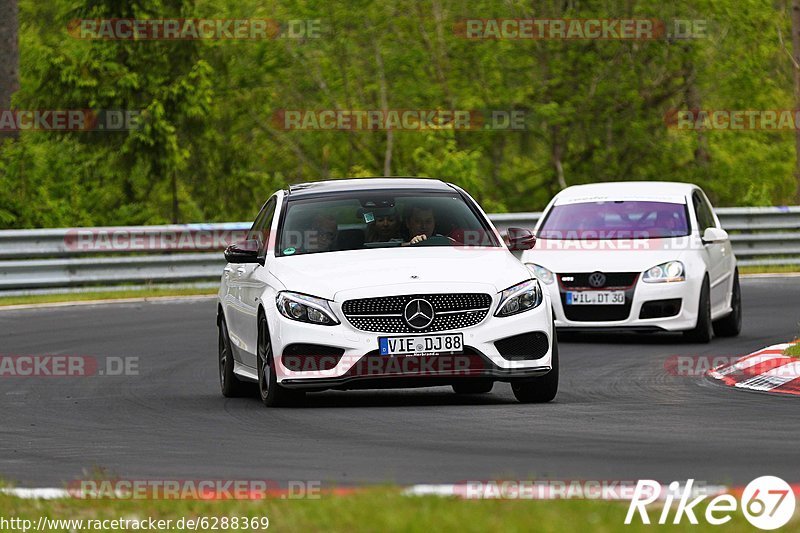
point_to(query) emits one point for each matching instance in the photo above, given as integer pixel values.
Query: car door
(237, 313)
(718, 254)
(252, 284)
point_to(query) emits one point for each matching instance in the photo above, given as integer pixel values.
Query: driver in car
(322, 235)
(420, 223)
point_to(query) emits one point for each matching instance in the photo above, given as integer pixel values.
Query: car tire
(540, 389)
(229, 384)
(703, 331)
(481, 386)
(731, 325)
(269, 390)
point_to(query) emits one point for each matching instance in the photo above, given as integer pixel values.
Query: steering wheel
(436, 240)
(643, 220)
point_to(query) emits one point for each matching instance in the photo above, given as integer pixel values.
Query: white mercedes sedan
(646, 256)
(374, 283)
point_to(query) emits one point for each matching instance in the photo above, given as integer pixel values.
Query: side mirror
(711, 235)
(242, 252)
(520, 239)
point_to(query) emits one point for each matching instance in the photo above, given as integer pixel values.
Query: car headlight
(665, 272)
(542, 273)
(305, 308)
(519, 298)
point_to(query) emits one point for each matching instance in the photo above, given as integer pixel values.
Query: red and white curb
(36, 494)
(547, 490)
(57, 494)
(604, 490)
(766, 370)
(484, 490)
(567, 490)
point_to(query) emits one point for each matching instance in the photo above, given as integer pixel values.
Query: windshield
(380, 219)
(615, 220)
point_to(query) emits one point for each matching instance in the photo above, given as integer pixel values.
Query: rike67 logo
(768, 502)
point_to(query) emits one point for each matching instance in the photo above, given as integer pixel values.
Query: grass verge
(371, 510)
(771, 269)
(103, 295)
(794, 350)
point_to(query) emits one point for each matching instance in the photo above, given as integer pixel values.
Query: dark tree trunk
(558, 157)
(9, 56)
(176, 214)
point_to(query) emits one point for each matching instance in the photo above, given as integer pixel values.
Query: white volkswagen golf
(648, 256)
(374, 283)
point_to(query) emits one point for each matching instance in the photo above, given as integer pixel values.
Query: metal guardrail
(47, 259)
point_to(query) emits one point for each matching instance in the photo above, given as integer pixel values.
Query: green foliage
(208, 148)
(793, 350)
(371, 509)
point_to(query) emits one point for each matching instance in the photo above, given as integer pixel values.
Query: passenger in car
(385, 227)
(666, 224)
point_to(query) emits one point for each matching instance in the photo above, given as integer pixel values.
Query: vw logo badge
(597, 279)
(418, 313)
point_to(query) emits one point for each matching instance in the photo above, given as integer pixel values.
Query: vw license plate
(596, 298)
(422, 344)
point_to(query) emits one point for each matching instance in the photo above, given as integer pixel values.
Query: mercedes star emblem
(418, 313)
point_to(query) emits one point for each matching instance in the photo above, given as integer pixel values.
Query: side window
(252, 233)
(261, 226)
(705, 218)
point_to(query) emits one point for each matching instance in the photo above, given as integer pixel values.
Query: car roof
(366, 184)
(627, 190)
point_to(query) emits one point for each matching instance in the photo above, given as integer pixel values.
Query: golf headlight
(665, 272)
(519, 298)
(541, 273)
(305, 308)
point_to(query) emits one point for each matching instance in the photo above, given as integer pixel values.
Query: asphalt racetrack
(619, 414)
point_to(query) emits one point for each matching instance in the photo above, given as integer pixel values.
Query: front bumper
(361, 366)
(398, 373)
(688, 292)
